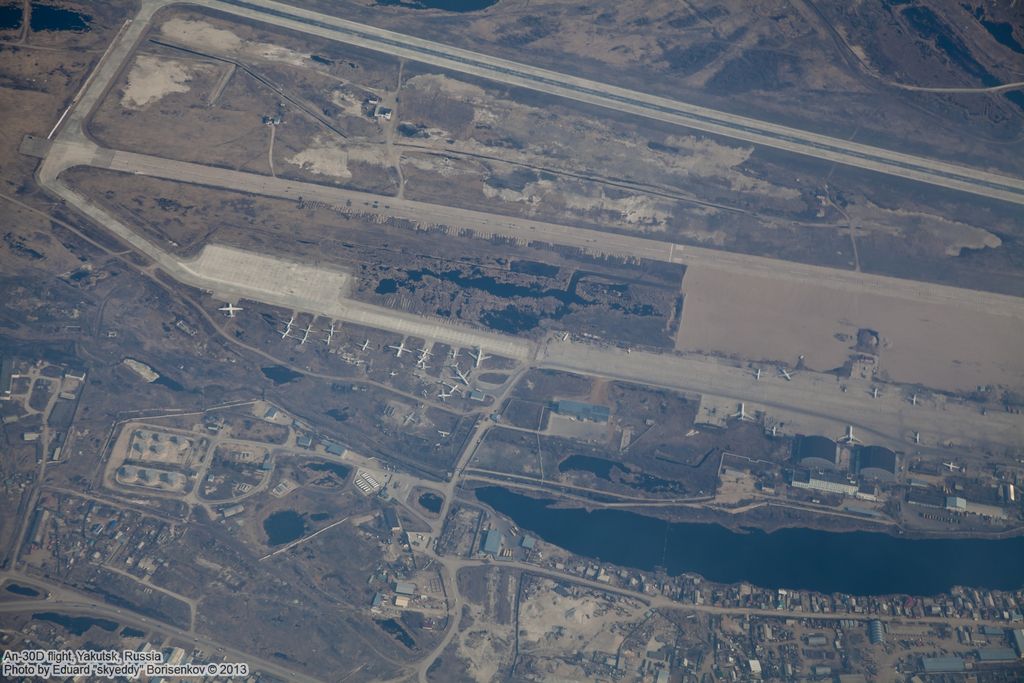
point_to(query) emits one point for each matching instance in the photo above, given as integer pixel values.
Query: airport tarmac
(940, 345)
(810, 401)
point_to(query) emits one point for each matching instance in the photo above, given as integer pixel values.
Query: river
(858, 563)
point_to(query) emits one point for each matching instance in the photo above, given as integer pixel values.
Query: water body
(928, 25)
(486, 283)
(858, 563)
(332, 467)
(27, 591)
(534, 268)
(599, 467)
(284, 526)
(431, 502)
(50, 18)
(400, 634)
(279, 374)
(511, 319)
(166, 381)
(1001, 31)
(76, 625)
(129, 632)
(602, 469)
(446, 5)
(10, 17)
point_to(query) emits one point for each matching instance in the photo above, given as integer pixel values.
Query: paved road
(743, 128)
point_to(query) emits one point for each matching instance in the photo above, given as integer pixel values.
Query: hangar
(875, 462)
(815, 452)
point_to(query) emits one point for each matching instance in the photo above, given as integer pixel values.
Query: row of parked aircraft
(783, 372)
(476, 354)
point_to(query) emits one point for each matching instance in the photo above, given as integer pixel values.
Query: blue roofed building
(992, 655)
(492, 542)
(942, 665)
(582, 411)
(528, 542)
(1017, 638)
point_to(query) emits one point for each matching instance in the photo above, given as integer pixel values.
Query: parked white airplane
(742, 413)
(953, 467)
(874, 392)
(913, 399)
(230, 309)
(305, 333)
(330, 334)
(917, 437)
(757, 374)
(366, 345)
(461, 375)
(288, 327)
(400, 349)
(849, 437)
(444, 395)
(786, 373)
(452, 388)
(443, 433)
(478, 357)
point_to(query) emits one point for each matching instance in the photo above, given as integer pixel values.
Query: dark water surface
(279, 374)
(333, 467)
(447, 5)
(858, 563)
(10, 16)
(431, 502)
(284, 526)
(399, 633)
(599, 467)
(76, 625)
(51, 18)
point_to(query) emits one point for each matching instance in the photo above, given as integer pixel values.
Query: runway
(913, 167)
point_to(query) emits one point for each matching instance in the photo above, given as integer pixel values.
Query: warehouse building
(942, 665)
(996, 655)
(1017, 637)
(815, 452)
(492, 542)
(827, 482)
(582, 411)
